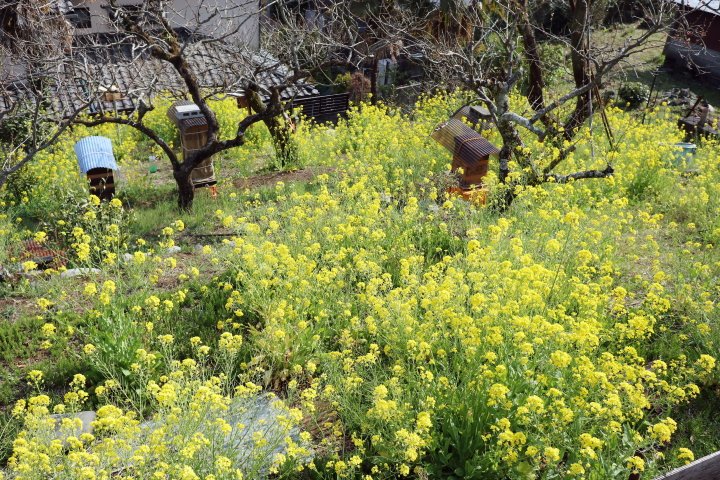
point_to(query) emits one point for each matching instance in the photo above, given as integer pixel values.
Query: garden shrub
(633, 94)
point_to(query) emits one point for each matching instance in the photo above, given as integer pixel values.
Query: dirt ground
(272, 178)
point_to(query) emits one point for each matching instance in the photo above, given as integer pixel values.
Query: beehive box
(186, 119)
(96, 160)
(193, 135)
(471, 151)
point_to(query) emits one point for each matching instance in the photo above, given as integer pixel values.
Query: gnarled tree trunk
(281, 132)
(532, 52)
(186, 189)
(374, 91)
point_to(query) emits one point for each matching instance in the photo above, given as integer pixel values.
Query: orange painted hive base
(476, 195)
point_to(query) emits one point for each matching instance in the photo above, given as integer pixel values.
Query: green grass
(20, 352)
(642, 67)
(698, 428)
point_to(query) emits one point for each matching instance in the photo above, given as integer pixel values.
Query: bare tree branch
(486, 62)
(580, 175)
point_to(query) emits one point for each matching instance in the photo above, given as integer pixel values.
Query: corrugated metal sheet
(457, 137)
(95, 152)
(710, 6)
(471, 152)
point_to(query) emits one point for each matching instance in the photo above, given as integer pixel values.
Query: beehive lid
(466, 144)
(184, 114)
(95, 152)
(187, 111)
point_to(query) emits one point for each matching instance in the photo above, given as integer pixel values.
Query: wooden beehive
(193, 136)
(112, 96)
(471, 152)
(111, 93)
(186, 121)
(242, 101)
(96, 159)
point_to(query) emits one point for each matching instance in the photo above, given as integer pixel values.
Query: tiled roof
(219, 71)
(65, 94)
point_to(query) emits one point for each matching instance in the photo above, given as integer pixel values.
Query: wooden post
(705, 468)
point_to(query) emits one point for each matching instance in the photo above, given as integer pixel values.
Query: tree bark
(584, 174)
(281, 132)
(374, 79)
(186, 189)
(513, 146)
(536, 78)
(512, 142)
(579, 23)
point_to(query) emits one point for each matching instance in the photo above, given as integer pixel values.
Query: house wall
(698, 52)
(240, 15)
(707, 27)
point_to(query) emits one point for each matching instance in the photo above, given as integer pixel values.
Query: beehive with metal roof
(187, 118)
(193, 135)
(96, 160)
(471, 152)
(95, 152)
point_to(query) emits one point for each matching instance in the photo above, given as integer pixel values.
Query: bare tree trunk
(511, 142)
(579, 23)
(374, 79)
(536, 80)
(513, 145)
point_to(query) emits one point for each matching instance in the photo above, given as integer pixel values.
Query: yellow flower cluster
(195, 433)
(402, 318)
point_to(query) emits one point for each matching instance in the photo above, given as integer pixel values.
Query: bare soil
(272, 178)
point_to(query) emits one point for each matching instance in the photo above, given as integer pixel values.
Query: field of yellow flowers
(398, 332)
